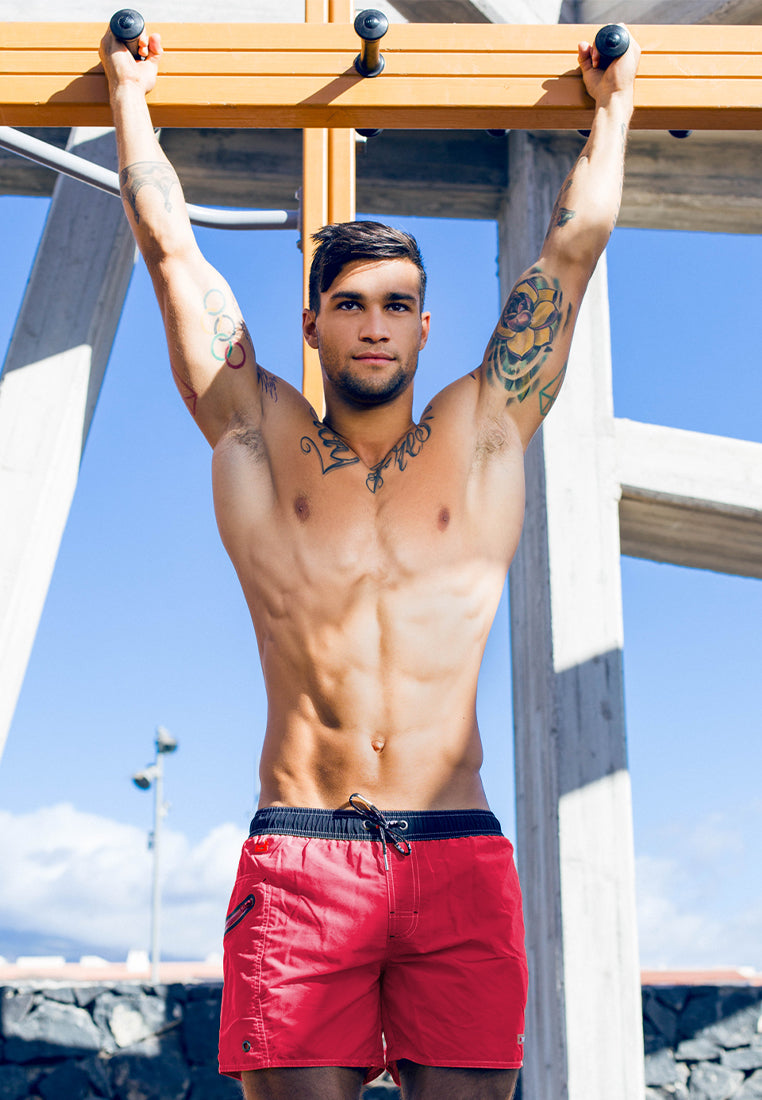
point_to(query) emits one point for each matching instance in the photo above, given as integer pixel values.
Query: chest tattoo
(340, 454)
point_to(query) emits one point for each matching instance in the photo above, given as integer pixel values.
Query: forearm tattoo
(147, 173)
(561, 215)
(524, 336)
(340, 454)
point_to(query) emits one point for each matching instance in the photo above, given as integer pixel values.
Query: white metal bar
(93, 174)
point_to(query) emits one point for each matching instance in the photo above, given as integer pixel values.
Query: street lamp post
(153, 775)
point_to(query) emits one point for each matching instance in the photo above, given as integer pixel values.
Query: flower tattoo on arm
(524, 336)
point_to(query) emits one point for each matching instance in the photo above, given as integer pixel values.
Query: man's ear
(309, 327)
(425, 323)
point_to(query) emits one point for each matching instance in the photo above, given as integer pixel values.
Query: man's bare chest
(382, 520)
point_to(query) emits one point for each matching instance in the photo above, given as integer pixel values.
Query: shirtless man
(372, 553)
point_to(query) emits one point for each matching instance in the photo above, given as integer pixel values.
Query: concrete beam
(48, 390)
(574, 817)
(479, 11)
(662, 11)
(709, 182)
(690, 498)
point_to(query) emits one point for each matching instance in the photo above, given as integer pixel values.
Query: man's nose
(374, 327)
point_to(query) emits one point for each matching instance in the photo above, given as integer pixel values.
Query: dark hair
(340, 244)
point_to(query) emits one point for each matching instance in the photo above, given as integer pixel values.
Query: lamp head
(165, 742)
(144, 779)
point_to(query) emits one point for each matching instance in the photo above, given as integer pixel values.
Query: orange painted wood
(437, 76)
(328, 190)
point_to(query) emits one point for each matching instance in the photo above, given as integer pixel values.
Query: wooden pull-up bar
(436, 76)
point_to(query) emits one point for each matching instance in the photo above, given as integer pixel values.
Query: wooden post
(328, 190)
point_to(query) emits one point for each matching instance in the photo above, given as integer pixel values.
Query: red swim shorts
(355, 938)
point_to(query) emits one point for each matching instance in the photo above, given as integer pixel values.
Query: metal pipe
(96, 176)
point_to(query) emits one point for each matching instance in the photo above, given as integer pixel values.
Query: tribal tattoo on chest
(340, 454)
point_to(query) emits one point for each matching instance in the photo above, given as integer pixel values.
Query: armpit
(494, 436)
(245, 434)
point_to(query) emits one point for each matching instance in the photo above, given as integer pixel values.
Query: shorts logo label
(261, 846)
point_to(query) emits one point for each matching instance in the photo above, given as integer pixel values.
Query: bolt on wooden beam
(436, 76)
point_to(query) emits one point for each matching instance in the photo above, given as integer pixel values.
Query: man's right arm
(210, 350)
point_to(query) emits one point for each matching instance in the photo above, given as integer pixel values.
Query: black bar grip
(371, 25)
(127, 26)
(611, 42)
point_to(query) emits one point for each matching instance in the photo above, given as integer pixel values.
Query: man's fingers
(584, 51)
(154, 45)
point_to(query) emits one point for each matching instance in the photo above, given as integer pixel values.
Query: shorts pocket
(239, 912)
(247, 903)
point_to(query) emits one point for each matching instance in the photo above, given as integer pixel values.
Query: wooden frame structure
(437, 76)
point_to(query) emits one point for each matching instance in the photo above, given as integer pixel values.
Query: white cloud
(700, 900)
(88, 878)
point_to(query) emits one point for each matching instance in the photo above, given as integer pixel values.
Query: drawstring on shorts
(390, 830)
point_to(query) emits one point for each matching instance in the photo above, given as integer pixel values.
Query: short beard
(365, 392)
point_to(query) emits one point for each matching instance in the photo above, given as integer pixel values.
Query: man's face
(369, 330)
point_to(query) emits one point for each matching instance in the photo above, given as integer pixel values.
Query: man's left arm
(525, 361)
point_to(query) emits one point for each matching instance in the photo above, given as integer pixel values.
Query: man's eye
(348, 304)
(399, 307)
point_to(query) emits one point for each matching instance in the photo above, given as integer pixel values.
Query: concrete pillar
(48, 390)
(574, 816)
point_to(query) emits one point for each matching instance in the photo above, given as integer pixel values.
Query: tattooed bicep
(525, 336)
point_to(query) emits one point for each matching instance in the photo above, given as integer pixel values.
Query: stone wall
(703, 1042)
(137, 1042)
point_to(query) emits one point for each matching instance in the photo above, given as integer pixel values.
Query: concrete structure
(596, 486)
(48, 391)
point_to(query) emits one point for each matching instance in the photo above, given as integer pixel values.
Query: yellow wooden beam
(328, 190)
(437, 76)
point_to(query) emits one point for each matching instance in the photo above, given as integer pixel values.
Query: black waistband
(350, 825)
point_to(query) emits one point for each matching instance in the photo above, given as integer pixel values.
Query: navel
(378, 744)
(443, 519)
(302, 508)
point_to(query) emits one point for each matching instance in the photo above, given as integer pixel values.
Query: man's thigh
(313, 1083)
(434, 1083)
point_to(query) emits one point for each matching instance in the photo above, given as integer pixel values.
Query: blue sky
(144, 623)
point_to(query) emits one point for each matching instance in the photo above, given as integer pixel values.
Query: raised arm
(525, 362)
(210, 350)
